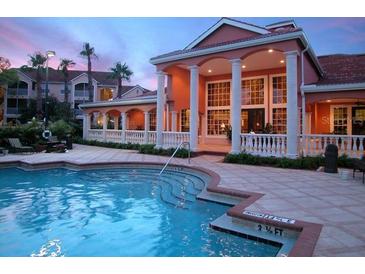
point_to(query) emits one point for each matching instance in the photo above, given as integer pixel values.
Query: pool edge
(308, 232)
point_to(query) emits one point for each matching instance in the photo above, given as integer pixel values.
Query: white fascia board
(281, 24)
(25, 75)
(245, 44)
(139, 101)
(334, 87)
(226, 21)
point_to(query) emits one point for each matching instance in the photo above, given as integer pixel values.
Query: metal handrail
(173, 154)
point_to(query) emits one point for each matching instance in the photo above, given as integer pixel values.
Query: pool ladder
(173, 154)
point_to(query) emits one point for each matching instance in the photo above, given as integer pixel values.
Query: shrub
(28, 134)
(308, 162)
(61, 129)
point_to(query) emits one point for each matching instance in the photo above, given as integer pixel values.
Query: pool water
(112, 212)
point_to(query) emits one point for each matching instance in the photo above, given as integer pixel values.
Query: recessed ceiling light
(270, 50)
(209, 70)
(328, 101)
(243, 66)
(282, 61)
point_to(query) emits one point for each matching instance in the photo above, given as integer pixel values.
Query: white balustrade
(113, 135)
(173, 139)
(351, 145)
(151, 137)
(264, 144)
(134, 136)
(95, 134)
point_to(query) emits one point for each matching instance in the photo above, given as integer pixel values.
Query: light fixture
(209, 70)
(223, 126)
(270, 50)
(328, 101)
(243, 66)
(50, 53)
(282, 61)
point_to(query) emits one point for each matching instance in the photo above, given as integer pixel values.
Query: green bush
(29, 134)
(143, 149)
(308, 162)
(61, 129)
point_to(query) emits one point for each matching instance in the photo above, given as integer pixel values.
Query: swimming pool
(128, 211)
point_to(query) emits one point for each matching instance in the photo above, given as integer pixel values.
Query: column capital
(160, 73)
(193, 67)
(236, 61)
(146, 112)
(291, 53)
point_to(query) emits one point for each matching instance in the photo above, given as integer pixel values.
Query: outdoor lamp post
(49, 54)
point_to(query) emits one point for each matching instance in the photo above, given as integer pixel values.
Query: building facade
(263, 86)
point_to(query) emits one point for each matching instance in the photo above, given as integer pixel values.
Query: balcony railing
(351, 145)
(81, 93)
(12, 110)
(17, 92)
(264, 144)
(171, 139)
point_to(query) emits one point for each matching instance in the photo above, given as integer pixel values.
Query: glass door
(358, 120)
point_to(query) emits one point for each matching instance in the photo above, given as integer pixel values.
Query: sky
(136, 40)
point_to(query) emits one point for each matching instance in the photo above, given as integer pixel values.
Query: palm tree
(37, 62)
(89, 53)
(64, 65)
(121, 72)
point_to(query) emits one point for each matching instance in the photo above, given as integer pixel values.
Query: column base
(235, 151)
(292, 156)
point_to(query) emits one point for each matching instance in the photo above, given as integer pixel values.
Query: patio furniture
(3, 151)
(359, 165)
(17, 145)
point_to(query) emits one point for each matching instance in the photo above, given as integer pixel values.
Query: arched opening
(135, 119)
(113, 119)
(96, 120)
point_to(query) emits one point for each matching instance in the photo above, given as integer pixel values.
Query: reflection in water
(120, 212)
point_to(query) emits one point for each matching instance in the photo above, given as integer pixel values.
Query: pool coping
(308, 232)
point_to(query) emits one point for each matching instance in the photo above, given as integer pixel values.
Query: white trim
(349, 117)
(138, 101)
(25, 75)
(229, 22)
(281, 24)
(129, 90)
(245, 44)
(335, 87)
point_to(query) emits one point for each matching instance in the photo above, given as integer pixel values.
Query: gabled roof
(102, 77)
(230, 22)
(281, 24)
(342, 69)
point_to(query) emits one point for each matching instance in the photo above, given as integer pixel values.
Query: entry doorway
(358, 120)
(253, 120)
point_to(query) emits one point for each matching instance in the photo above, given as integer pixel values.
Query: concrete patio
(335, 201)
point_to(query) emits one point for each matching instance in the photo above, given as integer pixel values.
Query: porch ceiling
(257, 61)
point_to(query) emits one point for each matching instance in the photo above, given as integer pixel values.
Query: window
(185, 120)
(340, 120)
(217, 121)
(219, 94)
(279, 89)
(279, 120)
(253, 92)
(153, 120)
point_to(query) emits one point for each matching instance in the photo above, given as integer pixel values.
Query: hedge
(308, 162)
(143, 149)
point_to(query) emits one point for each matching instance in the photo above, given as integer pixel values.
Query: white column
(72, 96)
(173, 121)
(85, 126)
(292, 103)
(160, 108)
(95, 91)
(124, 126)
(236, 106)
(146, 126)
(167, 117)
(194, 109)
(104, 127)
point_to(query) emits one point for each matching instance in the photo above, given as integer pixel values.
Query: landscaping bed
(308, 162)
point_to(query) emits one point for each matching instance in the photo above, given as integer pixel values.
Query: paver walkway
(337, 203)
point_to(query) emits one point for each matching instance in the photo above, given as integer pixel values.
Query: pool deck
(329, 199)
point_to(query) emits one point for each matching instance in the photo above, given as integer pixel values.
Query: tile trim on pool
(308, 232)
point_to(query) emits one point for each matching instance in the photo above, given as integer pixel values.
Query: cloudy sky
(136, 40)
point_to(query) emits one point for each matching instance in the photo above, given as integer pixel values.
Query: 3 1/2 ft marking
(270, 229)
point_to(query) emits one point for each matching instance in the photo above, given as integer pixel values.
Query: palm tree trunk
(66, 91)
(90, 87)
(39, 92)
(119, 87)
